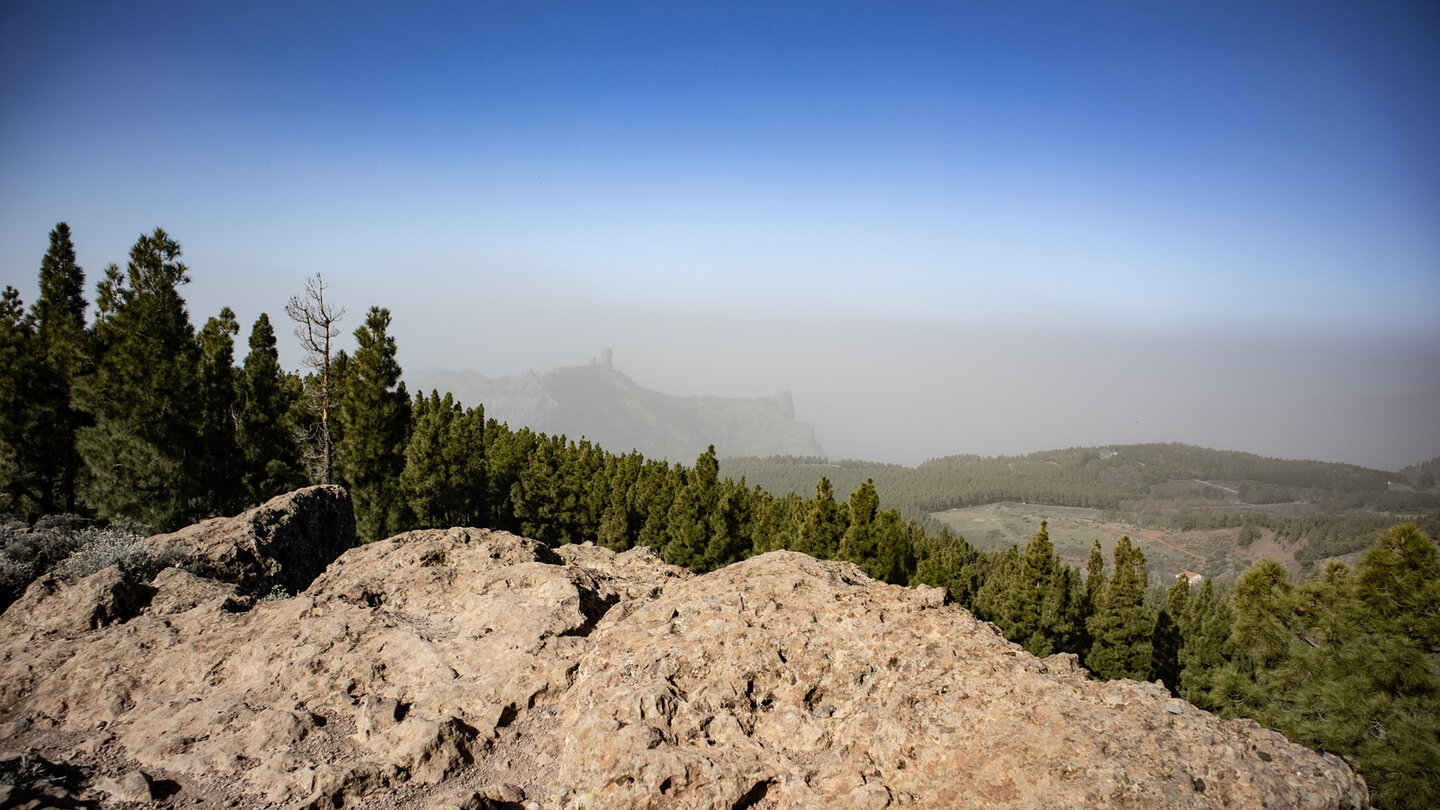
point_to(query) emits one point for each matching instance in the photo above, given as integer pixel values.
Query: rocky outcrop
(287, 541)
(469, 668)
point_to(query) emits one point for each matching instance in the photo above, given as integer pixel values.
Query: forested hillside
(135, 417)
(1316, 510)
(1108, 477)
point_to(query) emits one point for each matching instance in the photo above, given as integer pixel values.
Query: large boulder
(286, 541)
(471, 668)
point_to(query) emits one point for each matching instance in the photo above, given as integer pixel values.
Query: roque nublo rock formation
(465, 668)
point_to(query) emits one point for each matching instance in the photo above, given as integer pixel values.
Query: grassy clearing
(1216, 553)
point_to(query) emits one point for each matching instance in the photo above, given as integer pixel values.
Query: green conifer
(374, 418)
(1205, 647)
(221, 471)
(948, 561)
(1169, 634)
(730, 526)
(265, 430)
(1121, 627)
(860, 542)
(822, 523)
(59, 320)
(23, 484)
(144, 395)
(688, 531)
(1031, 600)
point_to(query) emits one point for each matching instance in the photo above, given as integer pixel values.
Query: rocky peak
(471, 668)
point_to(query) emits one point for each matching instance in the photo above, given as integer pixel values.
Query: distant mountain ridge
(598, 402)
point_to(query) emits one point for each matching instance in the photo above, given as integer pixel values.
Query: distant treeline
(1122, 480)
(1100, 478)
(138, 416)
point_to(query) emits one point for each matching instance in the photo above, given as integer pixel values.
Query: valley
(1214, 553)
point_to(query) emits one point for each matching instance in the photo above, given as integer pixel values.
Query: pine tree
(144, 394)
(317, 324)
(467, 466)
(992, 599)
(894, 560)
(1032, 601)
(23, 484)
(656, 494)
(220, 484)
(1206, 647)
(1087, 599)
(374, 419)
(537, 497)
(777, 522)
(618, 520)
(423, 480)
(1121, 627)
(270, 458)
(59, 319)
(1069, 594)
(1264, 600)
(860, 542)
(822, 523)
(688, 529)
(507, 453)
(1168, 637)
(948, 561)
(1341, 663)
(1400, 581)
(731, 526)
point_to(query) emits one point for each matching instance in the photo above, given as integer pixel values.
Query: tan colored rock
(51, 605)
(458, 799)
(134, 787)
(808, 684)
(287, 541)
(463, 667)
(178, 590)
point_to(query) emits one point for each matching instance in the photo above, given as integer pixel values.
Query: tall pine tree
(948, 561)
(1205, 646)
(822, 523)
(221, 492)
(688, 529)
(22, 479)
(374, 417)
(1121, 627)
(860, 542)
(1089, 597)
(317, 324)
(1031, 601)
(59, 319)
(1169, 634)
(270, 457)
(144, 395)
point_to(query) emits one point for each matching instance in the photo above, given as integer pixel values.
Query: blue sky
(1232, 207)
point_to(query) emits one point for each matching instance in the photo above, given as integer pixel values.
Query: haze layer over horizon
(992, 228)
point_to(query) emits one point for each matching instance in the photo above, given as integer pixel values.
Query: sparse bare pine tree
(316, 325)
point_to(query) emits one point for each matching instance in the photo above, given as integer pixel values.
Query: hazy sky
(989, 227)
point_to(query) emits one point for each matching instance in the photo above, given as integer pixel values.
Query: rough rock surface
(465, 668)
(286, 541)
